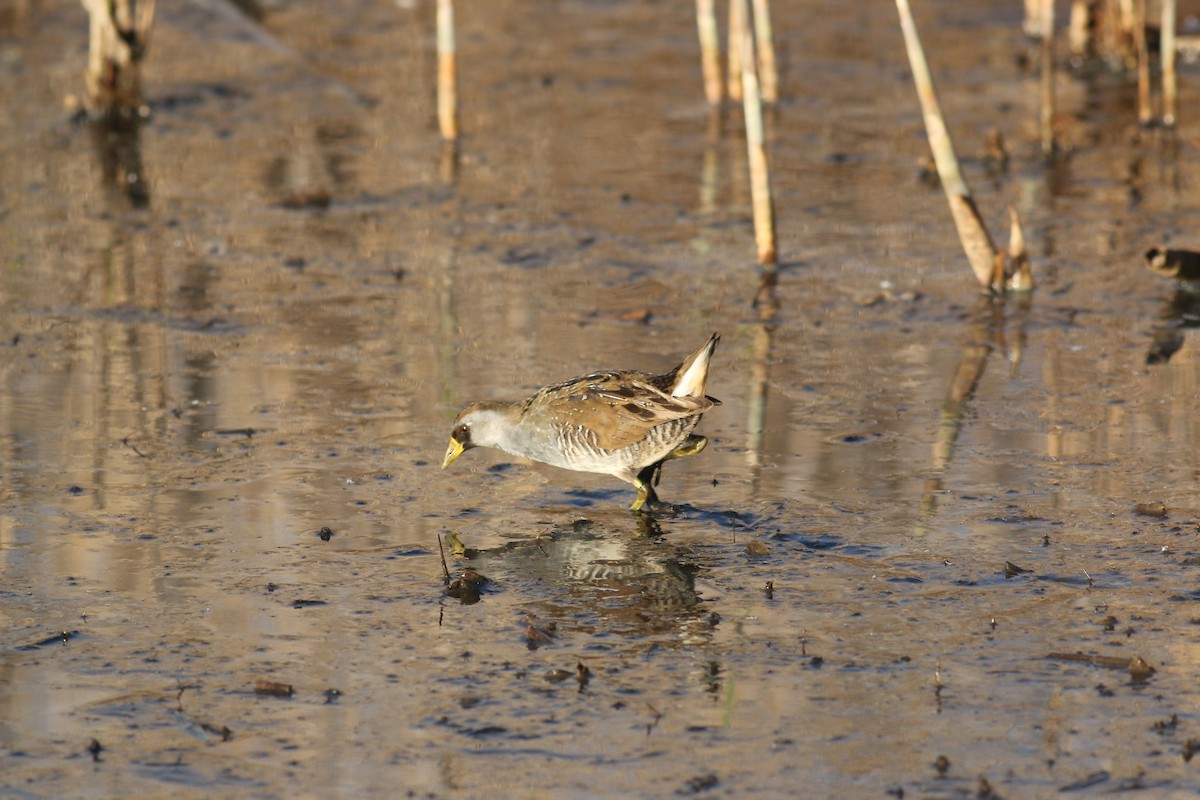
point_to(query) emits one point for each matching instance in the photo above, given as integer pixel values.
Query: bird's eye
(462, 433)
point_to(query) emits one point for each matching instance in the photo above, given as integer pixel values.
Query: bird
(623, 423)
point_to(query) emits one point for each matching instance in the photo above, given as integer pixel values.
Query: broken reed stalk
(447, 87)
(737, 22)
(981, 253)
(119, 35)
(1167, 54)
(710, 49)
(1047, 25)
(768, 73)
(1145, 111)
(760, 178)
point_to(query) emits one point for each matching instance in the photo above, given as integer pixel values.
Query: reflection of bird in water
(636, 580)
(620, 423)
(1182, 311)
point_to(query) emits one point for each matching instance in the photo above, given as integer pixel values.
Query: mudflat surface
(910, 562)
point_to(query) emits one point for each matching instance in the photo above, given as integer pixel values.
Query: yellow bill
(452, 452)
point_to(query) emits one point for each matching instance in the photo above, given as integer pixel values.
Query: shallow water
(198, 378)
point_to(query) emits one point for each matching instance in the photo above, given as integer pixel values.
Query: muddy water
(199, 376)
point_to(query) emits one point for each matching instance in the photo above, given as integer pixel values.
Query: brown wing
(619, 408)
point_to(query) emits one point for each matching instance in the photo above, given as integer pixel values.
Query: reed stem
(710, 49)
(1168, 51)
(976, 242)
(1047, 126)
(760, 179)
(768, 73)
(447, 87)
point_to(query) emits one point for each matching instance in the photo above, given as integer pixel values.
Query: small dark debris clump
(467, 587)
(266, 688)
(325, 534)
(701, 783)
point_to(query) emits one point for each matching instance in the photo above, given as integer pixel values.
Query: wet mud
(939, 545)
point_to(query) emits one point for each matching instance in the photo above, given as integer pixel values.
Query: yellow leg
(690, 447)
(644, 491)
(648, 477)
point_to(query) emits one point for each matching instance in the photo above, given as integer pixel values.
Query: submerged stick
(760, 178)
(981, 253)
(1167, 54)
(710, 49)
(447, 87)
(768, 73)
(1047, 78)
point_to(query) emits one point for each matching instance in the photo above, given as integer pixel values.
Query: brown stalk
(976, 242)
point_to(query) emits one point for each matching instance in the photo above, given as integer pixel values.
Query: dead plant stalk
(760, 179)
(447, 86)
(981, 253)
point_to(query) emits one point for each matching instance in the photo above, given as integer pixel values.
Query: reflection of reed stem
(962, 387)
(447, 71)
(1047, 77)
(1167, 54)
(767, 71)
(710, 49)
(710, 166)
(760, 373)
(760, 179)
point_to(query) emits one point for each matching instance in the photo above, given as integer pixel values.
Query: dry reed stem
(1145, 110)
(1032, 23)
(447, 87)
(737, 22)
(1020, 276)
(976, 242)
(1047, 121)
(760, 179)
(710, 49)
(768, 73)
(1168, 50)
(1079, 33)
(119, 36)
